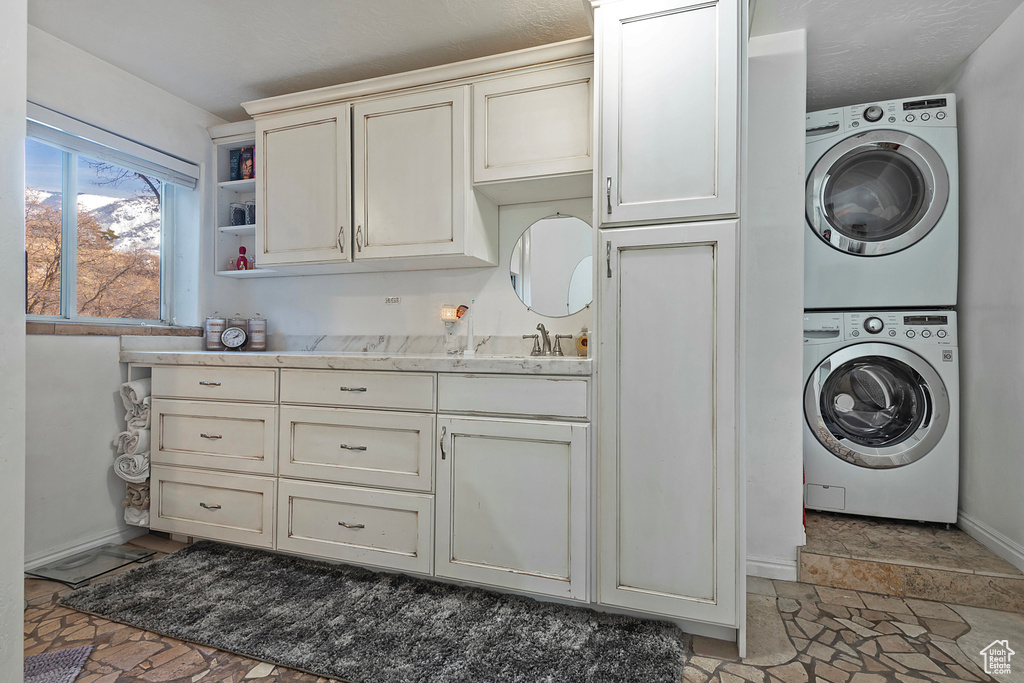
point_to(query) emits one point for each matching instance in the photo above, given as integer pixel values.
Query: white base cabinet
(668, 470)
(512, 504)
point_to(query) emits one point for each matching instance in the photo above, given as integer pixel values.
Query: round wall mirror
(552, 266)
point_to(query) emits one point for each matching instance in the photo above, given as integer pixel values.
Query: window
(97, 223)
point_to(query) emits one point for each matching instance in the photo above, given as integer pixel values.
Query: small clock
(234, 338)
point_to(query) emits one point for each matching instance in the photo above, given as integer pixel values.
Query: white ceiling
(219, 53)
(865, 50)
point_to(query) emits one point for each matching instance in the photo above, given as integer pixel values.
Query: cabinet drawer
(216, 383)
(379, 528)
(217, 435)
(399, 390)
(358, 446)
(505, 395)
(236, 508)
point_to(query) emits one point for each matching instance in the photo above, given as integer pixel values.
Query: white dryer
(881, 409)
(882, 210)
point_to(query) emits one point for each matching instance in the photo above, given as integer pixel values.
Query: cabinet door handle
(352, 526)
(341, 239)
(211, 436)
(209, 507)
(353, 448)
(352, 388)
(209, 384)
(444, 430)
(608, 194)
(608, 257)
(359, 238)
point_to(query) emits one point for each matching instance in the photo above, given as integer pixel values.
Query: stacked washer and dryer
(881, 401)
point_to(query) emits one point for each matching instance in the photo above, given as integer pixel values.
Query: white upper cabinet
(302, 187)
(669, 83)
(530, 126)
(413, 197)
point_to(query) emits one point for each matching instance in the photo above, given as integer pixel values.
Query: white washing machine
(882, 210)
(882, 414)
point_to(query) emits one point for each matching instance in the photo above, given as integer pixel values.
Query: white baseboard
(1004, 547)
(772, 568)
(112, 536)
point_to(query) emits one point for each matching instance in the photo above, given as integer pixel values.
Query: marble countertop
(340, 360)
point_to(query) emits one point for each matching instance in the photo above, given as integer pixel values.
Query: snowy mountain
(135, 220)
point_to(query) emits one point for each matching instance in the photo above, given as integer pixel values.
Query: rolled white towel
(133, 392)
(139, 417)
(137, 442)
(133, 468)
(136, 517)
(120, 439)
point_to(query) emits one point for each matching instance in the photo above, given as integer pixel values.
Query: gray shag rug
(364, 627)
(59, 666)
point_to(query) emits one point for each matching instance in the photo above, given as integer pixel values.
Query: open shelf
(256, 272)
(239, 185)
(237, 229)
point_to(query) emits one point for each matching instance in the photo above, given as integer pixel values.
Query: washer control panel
(931, 111)
(901, 327)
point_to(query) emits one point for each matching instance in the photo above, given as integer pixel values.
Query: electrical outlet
(392, 300)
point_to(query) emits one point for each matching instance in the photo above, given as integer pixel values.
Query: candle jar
(236, 213)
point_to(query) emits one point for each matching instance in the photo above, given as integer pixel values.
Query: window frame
(62, 134)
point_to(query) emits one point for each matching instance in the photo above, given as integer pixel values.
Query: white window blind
(74, 135)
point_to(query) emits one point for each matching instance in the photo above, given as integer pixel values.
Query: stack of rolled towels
(132, 460)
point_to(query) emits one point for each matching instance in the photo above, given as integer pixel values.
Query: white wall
(72, 496)
(771, 303)
(12, 334)
(990, 97)
(354, 303)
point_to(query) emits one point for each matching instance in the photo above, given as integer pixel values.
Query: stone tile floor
(796, 632)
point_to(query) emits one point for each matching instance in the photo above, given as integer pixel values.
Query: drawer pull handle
(352, 526)
(209, 384)
(211, 436)
(353, 448)
(209, 507)
(353, 388)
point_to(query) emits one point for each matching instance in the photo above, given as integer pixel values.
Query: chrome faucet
(545, 340)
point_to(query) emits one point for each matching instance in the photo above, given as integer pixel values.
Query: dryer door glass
(876, 193)
(876, 405)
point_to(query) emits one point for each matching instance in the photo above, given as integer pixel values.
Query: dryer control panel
(936, 328)
(932, 111)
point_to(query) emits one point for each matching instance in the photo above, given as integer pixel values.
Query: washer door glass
(876, 193)
(876, 405)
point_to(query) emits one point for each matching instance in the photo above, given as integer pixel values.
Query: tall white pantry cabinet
(669, 82)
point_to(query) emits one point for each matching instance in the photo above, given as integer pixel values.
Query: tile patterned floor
(797, 633)
(907, 559)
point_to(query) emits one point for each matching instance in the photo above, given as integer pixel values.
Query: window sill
(108, 330)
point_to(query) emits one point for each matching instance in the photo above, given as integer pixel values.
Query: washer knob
(909, 118)
(940, 115)
(873, 113)
(892, 333)
(926, 333)
(925, 116)
(911, 334)
(941, 334)
(874, 325)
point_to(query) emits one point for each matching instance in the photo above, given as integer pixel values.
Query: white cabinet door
(411, 174)
(669, 83)
(531, 126)
(668, 489)
(302, 187)
(512, 504)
